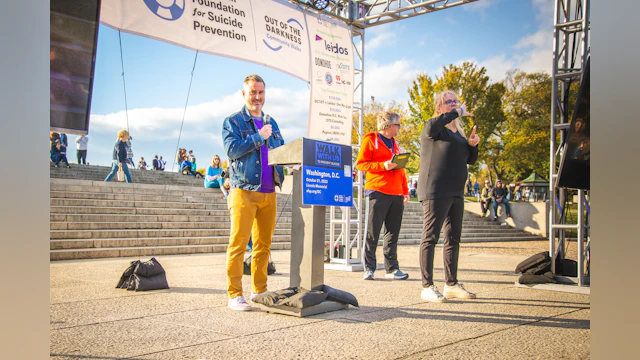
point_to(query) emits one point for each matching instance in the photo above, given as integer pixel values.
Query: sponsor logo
(335, 48)
(328, 78)
(166, 9)
(284, 38)
(326, 23)
(323, 63)
(341, 66)
(338, 78)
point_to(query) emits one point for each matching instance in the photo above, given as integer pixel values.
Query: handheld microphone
(267, 121)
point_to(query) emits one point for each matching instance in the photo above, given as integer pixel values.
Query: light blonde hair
(122, 134)
(386, 119)
(439, 103)
(213, 163)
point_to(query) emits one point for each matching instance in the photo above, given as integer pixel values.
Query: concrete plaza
(90, 318)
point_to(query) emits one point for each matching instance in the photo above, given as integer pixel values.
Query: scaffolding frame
(359, 15)
(570, 50)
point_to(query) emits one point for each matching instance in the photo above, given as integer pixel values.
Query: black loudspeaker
(72, 56)
(575, 167)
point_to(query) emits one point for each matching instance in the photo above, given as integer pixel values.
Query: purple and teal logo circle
(166, 9)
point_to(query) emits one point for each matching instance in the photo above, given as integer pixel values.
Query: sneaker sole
(396, 278)
(443, 300)
(460, 297)
(239, 309)
(368, 278)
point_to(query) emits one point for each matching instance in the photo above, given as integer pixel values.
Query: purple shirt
(268, 185)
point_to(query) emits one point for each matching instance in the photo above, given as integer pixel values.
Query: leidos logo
(336, 49)
(166, 9)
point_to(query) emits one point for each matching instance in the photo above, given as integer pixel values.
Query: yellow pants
(252, 213)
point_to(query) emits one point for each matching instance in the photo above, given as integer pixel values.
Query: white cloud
(156, 130)
(378, 37)
(533, 52)
(389, 81)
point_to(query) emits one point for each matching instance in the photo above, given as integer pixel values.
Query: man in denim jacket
(248, 135)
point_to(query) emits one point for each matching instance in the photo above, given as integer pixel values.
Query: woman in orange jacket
(387, 192)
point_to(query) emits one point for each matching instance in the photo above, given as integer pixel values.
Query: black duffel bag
(143, 276)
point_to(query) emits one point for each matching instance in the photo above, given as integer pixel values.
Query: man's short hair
(254, 77)
(386, 119)
(487, 182)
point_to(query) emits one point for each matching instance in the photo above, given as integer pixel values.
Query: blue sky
(498, 34)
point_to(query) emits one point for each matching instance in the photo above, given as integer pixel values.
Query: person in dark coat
(444, 155)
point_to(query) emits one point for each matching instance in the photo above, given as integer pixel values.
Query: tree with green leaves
(526, 136)
(482, 98)
(371, 112)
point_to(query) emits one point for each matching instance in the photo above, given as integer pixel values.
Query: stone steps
(93, 219)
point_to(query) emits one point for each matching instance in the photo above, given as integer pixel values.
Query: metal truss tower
(359, 15)
(570, 50)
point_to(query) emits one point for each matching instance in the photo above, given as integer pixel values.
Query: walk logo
(166, 9)
(328, 154)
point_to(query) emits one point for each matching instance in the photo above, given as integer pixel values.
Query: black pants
(484, 204)
(385, 209)
(82, 155)
(439, 212)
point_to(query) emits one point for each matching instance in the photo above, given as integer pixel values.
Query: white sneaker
(239, 304)
(253, 295)
(368, 275)
(432, 294)
(458, 291)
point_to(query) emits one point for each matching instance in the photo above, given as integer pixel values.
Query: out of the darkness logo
(166, 9)
(327, 154)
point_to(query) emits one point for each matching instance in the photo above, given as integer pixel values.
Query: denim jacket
(242, 144)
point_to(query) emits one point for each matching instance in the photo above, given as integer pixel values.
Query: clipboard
(401, 160)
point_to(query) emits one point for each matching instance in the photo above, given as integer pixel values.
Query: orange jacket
(373, 153)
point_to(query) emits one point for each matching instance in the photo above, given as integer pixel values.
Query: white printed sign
(270, 33)
(330, 114)
(314, 48)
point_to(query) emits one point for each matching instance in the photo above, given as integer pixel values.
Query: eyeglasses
(398, 125)
(452, 102)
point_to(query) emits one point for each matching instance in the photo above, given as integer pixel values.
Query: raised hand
(474, 139)
(463, 110)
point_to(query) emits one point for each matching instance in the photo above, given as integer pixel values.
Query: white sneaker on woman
(458, 291)
(432, 294)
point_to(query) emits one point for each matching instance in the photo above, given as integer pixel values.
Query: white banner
(270, 33)
(330, 114)
(314, 48)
